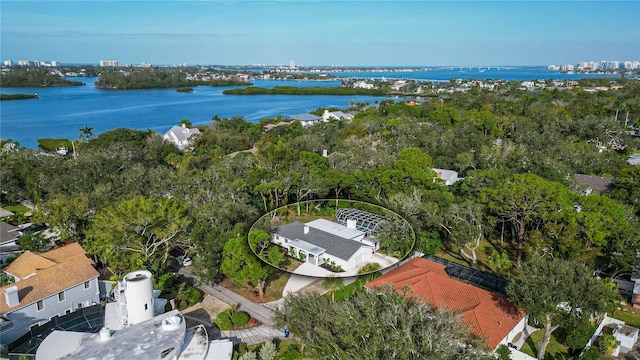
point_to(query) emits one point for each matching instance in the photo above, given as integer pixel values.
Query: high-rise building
(109, 63)
(292, 65)
(8, 63)
(55, 63)
(610, 65)
(632, 65)
(566, 67)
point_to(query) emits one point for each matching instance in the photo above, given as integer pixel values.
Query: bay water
(61, 111)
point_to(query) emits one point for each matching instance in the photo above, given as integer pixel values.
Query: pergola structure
(365, 221)
(313, 253)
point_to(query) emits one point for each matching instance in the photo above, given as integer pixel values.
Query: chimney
(351, 223)
(439, 175)
(306, 229)
(324, 153)
(11, 296)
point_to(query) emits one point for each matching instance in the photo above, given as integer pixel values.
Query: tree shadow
(507, 306)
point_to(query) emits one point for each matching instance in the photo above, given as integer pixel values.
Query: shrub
(166, 281)
(607, 343)
(249, 355)
(591, 353)
(369, 268)
(504, 353)
(575, 334)
(430, 243)
(223, 321)
(268, 351)
(187, 295)
(239, 318)
(499, 261)
(292, 353)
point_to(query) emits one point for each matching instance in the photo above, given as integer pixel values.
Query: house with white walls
(46, 285)
(181, 136)
(325, 242)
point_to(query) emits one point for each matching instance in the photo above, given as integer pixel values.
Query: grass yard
(347, 291)
(17, 209)
(555, 350)
(628, 314)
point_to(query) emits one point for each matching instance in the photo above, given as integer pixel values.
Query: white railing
(121, 300)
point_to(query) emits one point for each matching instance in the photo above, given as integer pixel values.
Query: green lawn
(627, 314)
(554, 349)
(17, 209)
(347, 291)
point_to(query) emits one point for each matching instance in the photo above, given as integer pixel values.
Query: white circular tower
(139, 296)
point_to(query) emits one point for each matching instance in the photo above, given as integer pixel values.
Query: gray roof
(181, 133)
(335, 245)
(4, 213)
(598, 183)
(8, 233)
(341, 115)
(305, 117)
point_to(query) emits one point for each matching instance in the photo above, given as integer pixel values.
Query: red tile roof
(487, 314)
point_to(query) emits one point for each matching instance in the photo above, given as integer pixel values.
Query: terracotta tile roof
(27, 264)
(47, 274)
(487, 314)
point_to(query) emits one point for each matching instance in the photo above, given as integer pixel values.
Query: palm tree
(332, 283)
(86, 133)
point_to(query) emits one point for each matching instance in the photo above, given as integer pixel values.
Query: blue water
(484, 73)
(61, 112)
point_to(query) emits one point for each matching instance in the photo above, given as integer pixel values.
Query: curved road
(260, 312)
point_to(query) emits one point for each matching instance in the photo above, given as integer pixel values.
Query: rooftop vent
(105, 334)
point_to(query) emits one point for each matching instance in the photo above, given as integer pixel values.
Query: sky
(341, 33)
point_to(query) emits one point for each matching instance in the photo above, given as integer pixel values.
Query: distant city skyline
(346, 33)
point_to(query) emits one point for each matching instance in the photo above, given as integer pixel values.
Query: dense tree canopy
(559, 291)
(376, 325)
(517, 151)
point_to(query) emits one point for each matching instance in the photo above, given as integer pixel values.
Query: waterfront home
(181, 136)
(47, 285)
(336, 115)
(306, 119)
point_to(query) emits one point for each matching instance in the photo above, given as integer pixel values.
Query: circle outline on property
(304, 242)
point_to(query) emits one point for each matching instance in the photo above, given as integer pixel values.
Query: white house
(449, 176)
(336, 115)
(180, 136)
(306, 119)
(323, 241)
(47, 285)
